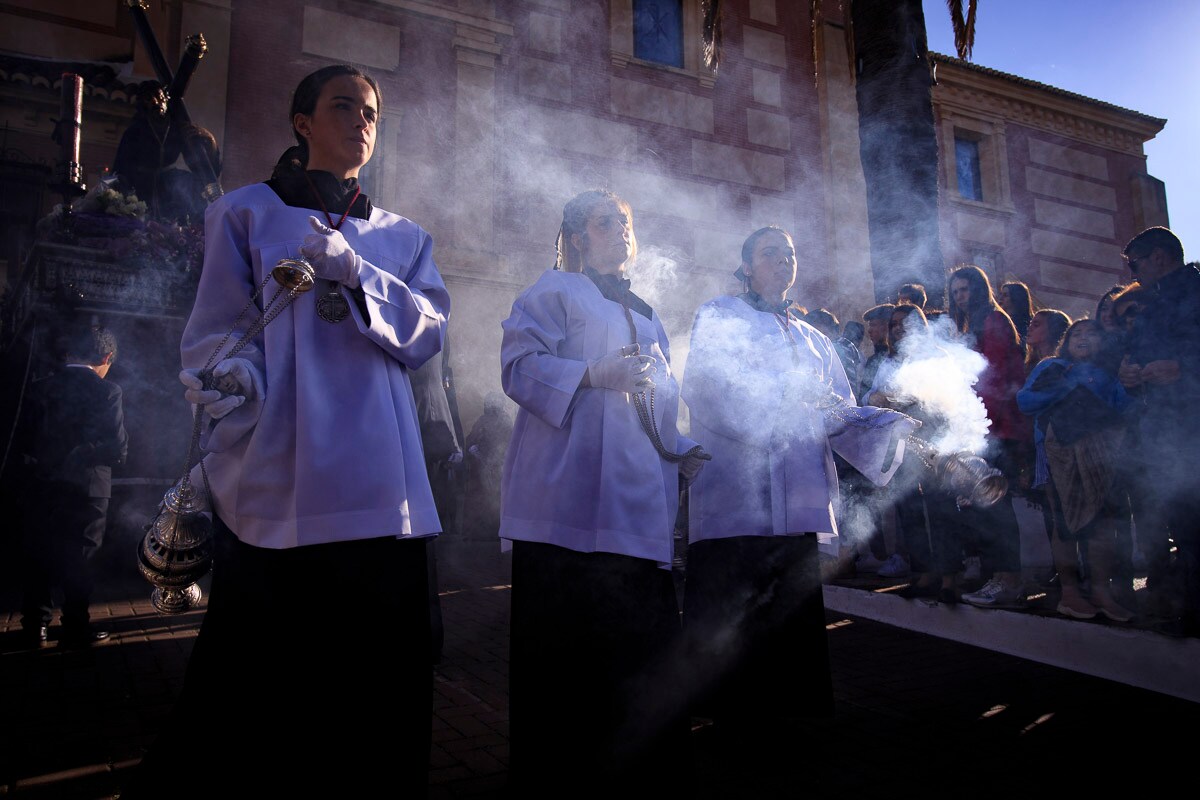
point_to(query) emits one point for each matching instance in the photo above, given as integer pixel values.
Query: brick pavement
(914, 712)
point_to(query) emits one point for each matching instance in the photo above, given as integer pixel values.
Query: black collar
(294, 190)
(616, 288)
(760, 303)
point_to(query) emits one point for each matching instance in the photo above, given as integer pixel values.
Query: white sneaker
(971, 568)
(894, 567)
(994, 594)
(867, 563)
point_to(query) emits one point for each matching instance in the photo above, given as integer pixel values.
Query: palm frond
(964, 28)
(712, 33)
(847, 9)
(818, 49)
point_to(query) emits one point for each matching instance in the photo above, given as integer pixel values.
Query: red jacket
(1003, 377)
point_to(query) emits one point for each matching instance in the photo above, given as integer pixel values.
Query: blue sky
(1139, 54)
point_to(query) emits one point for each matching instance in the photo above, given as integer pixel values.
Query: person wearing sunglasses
(1161, 368)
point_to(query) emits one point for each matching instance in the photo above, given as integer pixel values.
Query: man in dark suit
(75, 434)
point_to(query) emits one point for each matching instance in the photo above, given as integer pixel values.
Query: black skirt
(310, 677)
(594, 693)
(755, 625)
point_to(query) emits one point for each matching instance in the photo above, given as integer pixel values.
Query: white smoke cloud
(654, 275)
(939, 372)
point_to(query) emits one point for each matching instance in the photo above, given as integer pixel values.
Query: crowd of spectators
(1090, 420)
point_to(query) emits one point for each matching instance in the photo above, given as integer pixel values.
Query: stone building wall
(1064, 184)
(497, 111)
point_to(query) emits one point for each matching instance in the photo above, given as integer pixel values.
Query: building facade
(496, 112)
(1041, 185)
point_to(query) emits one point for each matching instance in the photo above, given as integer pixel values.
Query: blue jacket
(1051, 381)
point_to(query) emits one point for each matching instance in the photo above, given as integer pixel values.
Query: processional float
(177, 548)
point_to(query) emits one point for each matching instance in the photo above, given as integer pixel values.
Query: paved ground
(914, 713)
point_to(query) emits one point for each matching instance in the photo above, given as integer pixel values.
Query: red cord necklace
(331, 306)
(324, 210)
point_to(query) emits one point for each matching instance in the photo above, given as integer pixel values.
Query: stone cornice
(1023, 102)
(437, 11)
(478, 39)
(477, 46)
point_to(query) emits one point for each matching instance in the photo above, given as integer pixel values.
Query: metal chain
(646, 416)
(208, 365)
(270, 311)
(197, 411)
(645, 410)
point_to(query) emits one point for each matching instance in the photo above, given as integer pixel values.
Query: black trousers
(594, 693)
(929, 521)
(754, 619)
(310, 677)
(998, 532)
(62, 530)
(1175, 498)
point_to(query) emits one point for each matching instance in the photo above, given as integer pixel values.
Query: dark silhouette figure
(487, 447)
(74, 435)
(442, 457)
(149, 148)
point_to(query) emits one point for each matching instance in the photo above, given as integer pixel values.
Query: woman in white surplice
(770, 401)
(589, 502)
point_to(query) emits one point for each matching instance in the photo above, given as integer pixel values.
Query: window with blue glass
(966, 161)
(658, 31)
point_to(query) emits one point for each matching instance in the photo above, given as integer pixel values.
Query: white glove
(455, 458)
(330, 254)
(623, 370)
(233, 384)
(690, 467)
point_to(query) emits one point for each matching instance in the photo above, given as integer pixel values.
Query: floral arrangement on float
(118, 224)
(104, 198)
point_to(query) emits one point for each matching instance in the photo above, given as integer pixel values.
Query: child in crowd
(1078, 409)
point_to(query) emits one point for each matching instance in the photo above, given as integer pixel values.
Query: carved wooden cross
(198, 158)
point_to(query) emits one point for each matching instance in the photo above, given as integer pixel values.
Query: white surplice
(330, 450)
(770, 401)
(580, 472)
